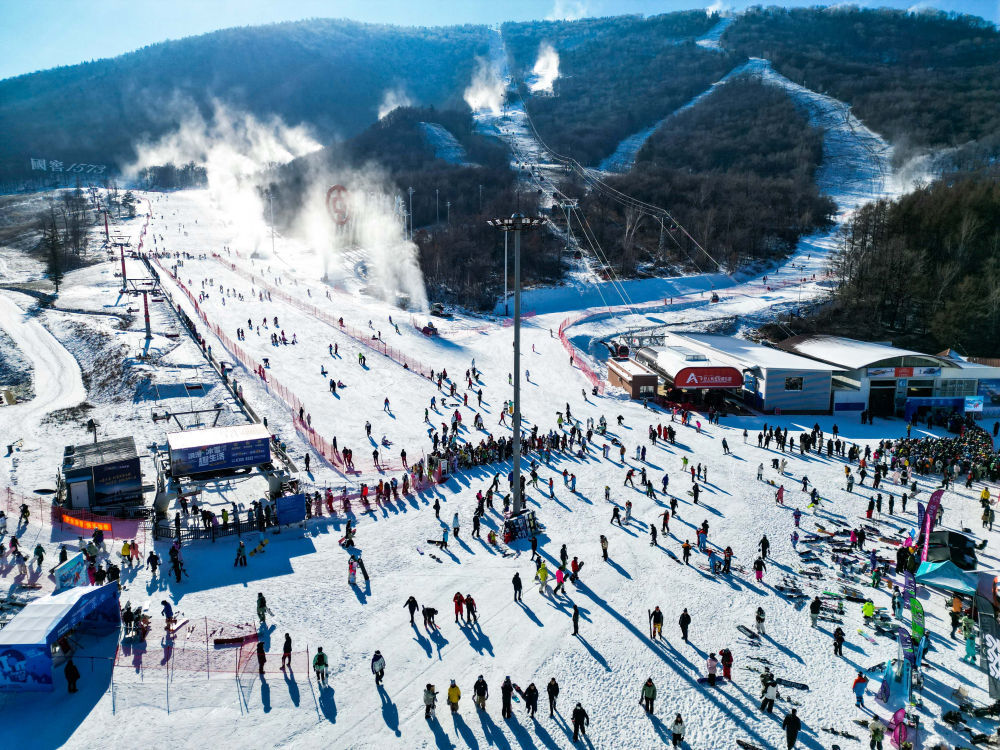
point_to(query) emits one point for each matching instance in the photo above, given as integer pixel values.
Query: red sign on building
(708, 377)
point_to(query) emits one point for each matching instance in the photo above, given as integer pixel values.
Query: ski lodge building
(762, 377)
(887, 380)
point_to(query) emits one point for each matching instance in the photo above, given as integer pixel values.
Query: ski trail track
(56, 375)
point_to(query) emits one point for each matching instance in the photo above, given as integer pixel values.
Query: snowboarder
(378, 667)
(768, 695)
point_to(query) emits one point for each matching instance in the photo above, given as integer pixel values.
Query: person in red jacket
(726, 657)
(459, 603)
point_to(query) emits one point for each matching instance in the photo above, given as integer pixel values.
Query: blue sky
(39, 34)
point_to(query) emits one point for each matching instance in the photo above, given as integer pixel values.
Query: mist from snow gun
(393, 99)
(546, 69)
(485, 93)
(234, 148)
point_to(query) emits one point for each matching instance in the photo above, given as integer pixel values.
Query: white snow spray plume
(369, 246)
(717, 7)
(546, 69)
(233, 148)
(393, 99)
(485, 93)
(568, 10)
(239, 151)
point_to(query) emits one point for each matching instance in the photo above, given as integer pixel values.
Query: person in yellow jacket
(868, 611)
(543, 576)
(454, 696)
(127, 553)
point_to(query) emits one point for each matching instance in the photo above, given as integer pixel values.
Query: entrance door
(78, 495)
(882, 401)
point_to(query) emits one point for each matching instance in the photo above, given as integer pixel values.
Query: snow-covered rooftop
(851, 353)
(749, 354)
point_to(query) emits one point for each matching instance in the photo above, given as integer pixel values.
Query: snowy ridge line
(408, 363)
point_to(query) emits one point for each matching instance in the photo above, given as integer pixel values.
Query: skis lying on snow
(748, 642)
(838, 733)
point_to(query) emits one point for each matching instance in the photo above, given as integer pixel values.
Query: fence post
(208, 661)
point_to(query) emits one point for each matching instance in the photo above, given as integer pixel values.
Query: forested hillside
(923, 271)
(617, 76)
(331, 75)
(736, 170)
(920, 79)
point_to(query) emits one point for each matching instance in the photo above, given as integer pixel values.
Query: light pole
(516, 224)
(505, 310)
(411, 191)
(447, 206)
(437, 207)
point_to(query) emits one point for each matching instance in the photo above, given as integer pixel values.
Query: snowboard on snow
(788, 683)
(748, 632)
(747, 745)
(260, 547)
(718, 681)
(866, 636)
(177, 626)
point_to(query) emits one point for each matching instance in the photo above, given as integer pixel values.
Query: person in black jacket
(72, 675)
(838, 641)
(531, 700)
(553, 690)
(684, 622)
(411, 604)
(576, 620)
(792, 724)
(516, 580)
(480, 692)
(286, 652)
(506, 690)
(815, 606)
(580, 722)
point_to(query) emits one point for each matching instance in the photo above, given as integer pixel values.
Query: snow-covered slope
(446, 146)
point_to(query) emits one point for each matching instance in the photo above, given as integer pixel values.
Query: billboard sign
(903, 372)
(708, 377)
(974, 404)
(72, 573)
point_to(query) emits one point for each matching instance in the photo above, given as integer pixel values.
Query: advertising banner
(974, 404)
(989, 389)
(290, 509)
(72, 573)
(708, 377)
(916, 619)
(26, 668)
(929, 516)
(990, 657)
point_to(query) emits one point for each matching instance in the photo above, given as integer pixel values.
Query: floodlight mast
(516, 224)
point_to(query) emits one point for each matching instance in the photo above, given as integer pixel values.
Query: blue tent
(946, 576)
(26, 642)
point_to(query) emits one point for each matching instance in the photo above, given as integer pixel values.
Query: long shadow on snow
(390, 714)
(462, 730)
(492, 732)
(685, 676)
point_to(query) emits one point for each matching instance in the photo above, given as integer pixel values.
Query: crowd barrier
(81, 522)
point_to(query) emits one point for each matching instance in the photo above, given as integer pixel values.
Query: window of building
(793, 384)
(955, 388)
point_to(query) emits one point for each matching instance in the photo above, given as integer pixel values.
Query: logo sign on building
(903, 372)
(708, 377)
